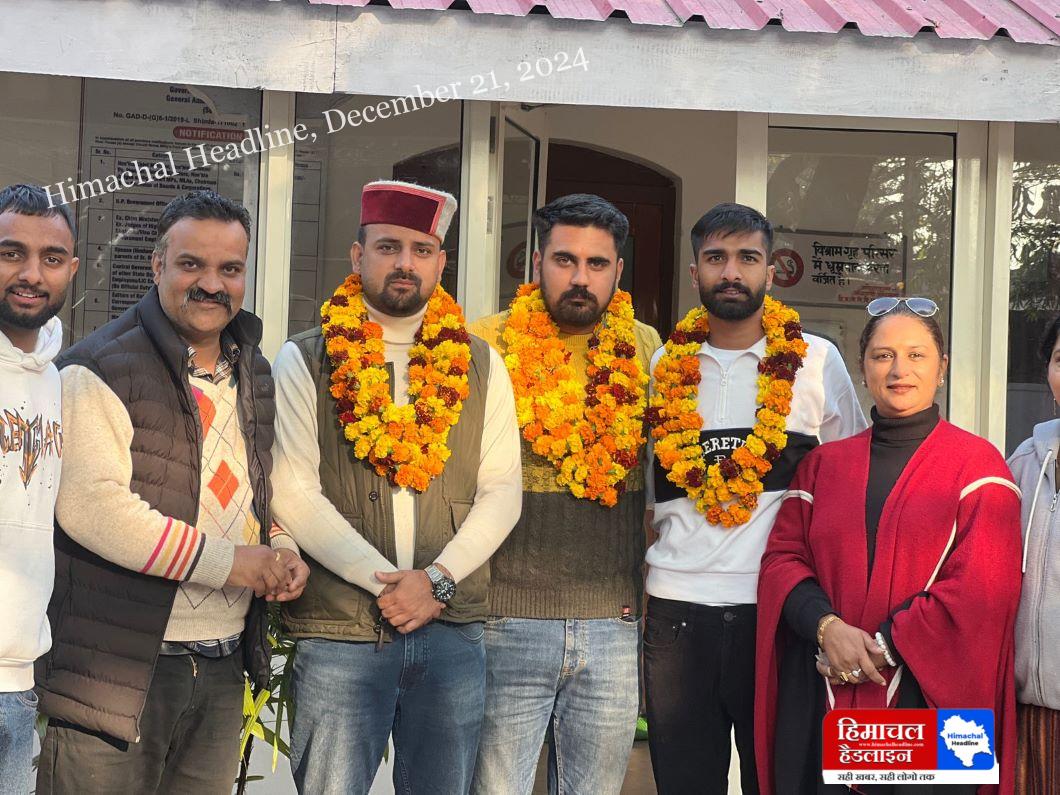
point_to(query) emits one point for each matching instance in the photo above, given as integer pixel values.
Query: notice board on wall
(837, 268)
(134, 127)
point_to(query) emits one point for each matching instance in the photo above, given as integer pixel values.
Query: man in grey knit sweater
(565, 589)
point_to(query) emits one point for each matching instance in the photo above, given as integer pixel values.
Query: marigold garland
(591, 434)
(405, 444)
(726, 492)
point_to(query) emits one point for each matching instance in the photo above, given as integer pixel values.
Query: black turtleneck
(894, 441)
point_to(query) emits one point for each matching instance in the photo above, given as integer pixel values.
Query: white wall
(299, 46)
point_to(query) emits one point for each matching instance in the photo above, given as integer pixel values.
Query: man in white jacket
(37, 263)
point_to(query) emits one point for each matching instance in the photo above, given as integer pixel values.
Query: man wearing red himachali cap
(398, 473)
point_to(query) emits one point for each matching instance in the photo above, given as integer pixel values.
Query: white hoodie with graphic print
(31, 445)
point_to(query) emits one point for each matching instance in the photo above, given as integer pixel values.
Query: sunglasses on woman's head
(924, 307)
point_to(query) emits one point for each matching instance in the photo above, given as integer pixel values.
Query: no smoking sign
(789, 267)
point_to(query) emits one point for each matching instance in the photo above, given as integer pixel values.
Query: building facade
(898, 150)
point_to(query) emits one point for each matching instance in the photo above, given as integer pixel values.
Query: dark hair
(581, 209)
(201, 205)
(930, 323)
(1049, 338)
(33, 200)
(728, 218)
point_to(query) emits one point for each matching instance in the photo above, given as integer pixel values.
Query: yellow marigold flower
(755, 445)
(377, 425)
(562, 425)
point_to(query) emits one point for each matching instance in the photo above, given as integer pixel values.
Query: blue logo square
(966, 739)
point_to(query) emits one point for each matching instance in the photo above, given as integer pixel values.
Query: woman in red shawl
(896, 555)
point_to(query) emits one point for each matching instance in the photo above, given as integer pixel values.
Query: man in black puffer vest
(162, 519)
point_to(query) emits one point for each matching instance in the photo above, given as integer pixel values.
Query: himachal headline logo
(909, 746)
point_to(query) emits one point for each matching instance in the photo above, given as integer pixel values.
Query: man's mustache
(408, 276)
(25, 288)
(579, 292)
(732, 286)
(199, 294)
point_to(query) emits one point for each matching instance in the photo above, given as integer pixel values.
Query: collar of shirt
(226, 362)
(758, 349)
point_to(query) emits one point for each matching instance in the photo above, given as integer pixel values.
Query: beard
(566, 313)
(727, 309)
(397, 304)
(31, 321)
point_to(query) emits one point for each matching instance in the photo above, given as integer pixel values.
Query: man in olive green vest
(565, 593)
(397, 472)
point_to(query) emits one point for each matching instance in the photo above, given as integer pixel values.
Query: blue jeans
(580, 676)
(427, 687)
(18, 711)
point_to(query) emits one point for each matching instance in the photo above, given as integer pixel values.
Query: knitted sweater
(566, 557)
(97, 473)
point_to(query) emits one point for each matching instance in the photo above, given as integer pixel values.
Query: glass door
(519, 159)
(860, 214)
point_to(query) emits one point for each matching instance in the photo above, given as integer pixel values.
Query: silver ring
(856, 673)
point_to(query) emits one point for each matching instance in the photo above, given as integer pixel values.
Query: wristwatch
(442, 586)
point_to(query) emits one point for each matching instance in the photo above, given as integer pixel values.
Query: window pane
(859, 215)
(520, 171)
(1034, 286)
(421, 146)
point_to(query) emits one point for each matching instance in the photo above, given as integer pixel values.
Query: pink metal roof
(1025, 21)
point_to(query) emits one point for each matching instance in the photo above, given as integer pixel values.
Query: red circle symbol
(789, 267)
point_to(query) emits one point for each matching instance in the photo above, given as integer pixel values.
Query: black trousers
(699, 672)
(189, 737)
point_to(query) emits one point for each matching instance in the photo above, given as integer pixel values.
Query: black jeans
(699, 672)
(189, 737)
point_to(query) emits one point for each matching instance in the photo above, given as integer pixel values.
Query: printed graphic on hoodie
(719, 443)
(33, 440)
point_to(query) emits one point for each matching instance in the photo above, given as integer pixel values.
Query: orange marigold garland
(405, 444)
(726, 492)
(591, 434)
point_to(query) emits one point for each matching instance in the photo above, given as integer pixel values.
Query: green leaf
(252, 724)
(41, 725)
(276, 740)
(248, 698)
